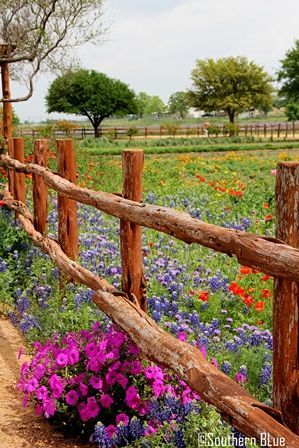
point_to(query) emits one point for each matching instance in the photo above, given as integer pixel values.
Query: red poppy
(203, 296)
(259, 306)
(268, 218)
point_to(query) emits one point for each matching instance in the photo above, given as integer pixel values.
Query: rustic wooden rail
(243, 411)
(272, 255)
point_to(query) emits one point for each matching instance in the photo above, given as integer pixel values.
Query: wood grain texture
(286, 300)
(39, 188)
(19, 178)
(133, 281)
(67, 208)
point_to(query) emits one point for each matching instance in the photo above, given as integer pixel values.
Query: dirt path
(20, 427)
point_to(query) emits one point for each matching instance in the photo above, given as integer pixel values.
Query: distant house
(195, 113)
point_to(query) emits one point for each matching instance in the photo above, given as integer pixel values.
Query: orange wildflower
(259, 306)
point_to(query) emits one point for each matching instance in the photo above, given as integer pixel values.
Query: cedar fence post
(39, 188)
(6, 124)
(130, 234)
(19, 178)
(67, 208)
(286, 301)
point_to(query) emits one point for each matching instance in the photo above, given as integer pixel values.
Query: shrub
(231, 129)
(213, 130)
(66, 126)
(98, 377)
(132, 131)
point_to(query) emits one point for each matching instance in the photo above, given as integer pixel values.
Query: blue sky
(153, 44)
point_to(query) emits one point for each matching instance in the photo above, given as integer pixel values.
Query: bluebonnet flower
(100, 437)
(178, 438)
(226, 367)
(265, 374)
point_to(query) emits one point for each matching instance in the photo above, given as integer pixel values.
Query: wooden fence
(272, 131)
(127, 307)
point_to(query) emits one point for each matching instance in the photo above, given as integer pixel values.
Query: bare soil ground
(21, 427)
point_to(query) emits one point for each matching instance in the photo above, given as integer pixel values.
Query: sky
(153, 45)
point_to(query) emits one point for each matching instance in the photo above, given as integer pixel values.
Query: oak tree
(91, 94)
(231, 84)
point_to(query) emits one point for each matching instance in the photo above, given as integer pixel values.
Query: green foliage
(231, 129)
(292, 111)
(289, 75)
(66, 126)
(142, 101)
(154, 106)
(171, 128)
(178, 104)
(213, 130)
(91, 94)
(229, 84)
(131, 132)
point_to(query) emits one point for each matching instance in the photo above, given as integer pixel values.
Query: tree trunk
(231, 115)
(97, 131)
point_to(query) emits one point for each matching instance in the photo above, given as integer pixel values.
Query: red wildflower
(2, 203)
(248, 300)
(203, 296)
(268, 218)
(259, 306)
(245, 270)
(265, 205)
(200, 178)
(266, 293)
(265, 277)
(236, 289)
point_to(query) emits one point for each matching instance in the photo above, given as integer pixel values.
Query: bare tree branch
(40, 31)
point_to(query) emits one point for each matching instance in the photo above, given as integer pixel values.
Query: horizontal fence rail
(270, 130)
(271, 255)
(244, 412)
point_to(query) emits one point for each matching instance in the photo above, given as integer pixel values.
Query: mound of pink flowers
(80, 379)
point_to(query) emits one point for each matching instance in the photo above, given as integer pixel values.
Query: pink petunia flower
(106, 401)
(71, 398)
(122, 418)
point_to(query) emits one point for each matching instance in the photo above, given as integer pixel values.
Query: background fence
(261, 130)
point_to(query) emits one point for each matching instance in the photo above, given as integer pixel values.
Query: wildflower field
(86, 376)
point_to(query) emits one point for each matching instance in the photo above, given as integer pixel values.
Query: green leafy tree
(143, 100)
(292, 111)
(178, 104)
(91, 94)
(233, 85)
(288, 75)
(155, 106)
